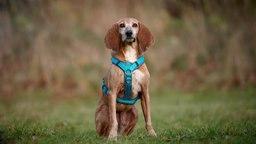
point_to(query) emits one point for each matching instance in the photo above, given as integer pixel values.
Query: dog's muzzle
(129, 36)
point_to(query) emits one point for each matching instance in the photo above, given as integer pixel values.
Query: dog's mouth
(130, 39)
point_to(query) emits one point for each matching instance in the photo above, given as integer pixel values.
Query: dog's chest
(137, 76)
(137, 80)
(130, 54)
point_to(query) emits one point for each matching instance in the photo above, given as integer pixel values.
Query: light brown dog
(128, 39)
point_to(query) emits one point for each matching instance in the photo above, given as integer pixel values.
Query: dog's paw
(150, 130)
(152, 133)
(112, 138)
(112, 135)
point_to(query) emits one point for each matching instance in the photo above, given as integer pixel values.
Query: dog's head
(128, 31)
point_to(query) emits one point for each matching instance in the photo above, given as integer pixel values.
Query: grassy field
(227, 116)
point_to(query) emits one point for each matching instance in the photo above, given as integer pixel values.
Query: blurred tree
(58, 45)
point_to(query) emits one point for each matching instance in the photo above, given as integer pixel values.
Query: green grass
(178, 117)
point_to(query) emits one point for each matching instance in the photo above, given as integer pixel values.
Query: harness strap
(127, 68)
(104, 88)
(120, 100)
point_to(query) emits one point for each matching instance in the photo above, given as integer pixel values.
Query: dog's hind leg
(127, 121)
(102, 120)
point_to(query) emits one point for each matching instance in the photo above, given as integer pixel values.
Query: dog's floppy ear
(112, 38)
(145, 37)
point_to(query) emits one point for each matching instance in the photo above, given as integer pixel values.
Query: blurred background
(58, 45)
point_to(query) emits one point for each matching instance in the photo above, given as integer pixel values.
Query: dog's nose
(128, 32)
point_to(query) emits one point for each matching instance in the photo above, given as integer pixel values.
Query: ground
(209, 116)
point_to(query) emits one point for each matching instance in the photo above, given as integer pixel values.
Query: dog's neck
(128, 52)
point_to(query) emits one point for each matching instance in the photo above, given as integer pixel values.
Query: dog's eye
(134, 25)
(122, 25)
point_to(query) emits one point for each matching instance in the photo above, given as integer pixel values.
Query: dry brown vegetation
(58, 44)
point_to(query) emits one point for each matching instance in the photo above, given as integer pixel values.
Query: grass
(227, 116)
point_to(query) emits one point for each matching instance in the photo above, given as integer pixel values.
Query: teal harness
(127, 68)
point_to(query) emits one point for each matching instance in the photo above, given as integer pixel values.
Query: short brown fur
(113, 119)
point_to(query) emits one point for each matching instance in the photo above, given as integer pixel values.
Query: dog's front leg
(145, 104)
(113, 125)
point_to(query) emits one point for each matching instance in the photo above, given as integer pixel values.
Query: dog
(126, 81)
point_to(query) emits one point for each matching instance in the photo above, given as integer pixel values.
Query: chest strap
(127, 68)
